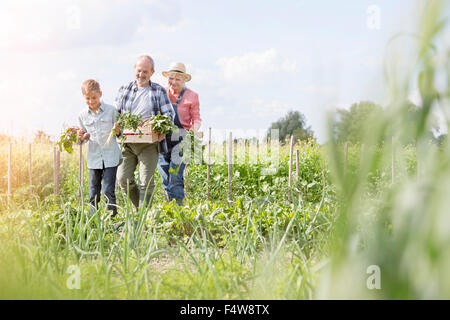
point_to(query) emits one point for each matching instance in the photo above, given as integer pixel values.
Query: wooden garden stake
(291, 147)
(230, 165)
(80, 172)
(186, 182)
(10, 170)
(209, 163)
(56, 166)
(297, 164)
(257, 151)
(30, 166)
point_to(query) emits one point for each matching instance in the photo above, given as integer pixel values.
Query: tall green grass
(404, 228)
(205, 250)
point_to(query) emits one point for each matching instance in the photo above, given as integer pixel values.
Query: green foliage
(205, 250)
(293, 123)
(352, 124)
(67, 139)
(128, 121)
(162, 123)
(251, 177)
(212, 247)
(393, 202)
(159, 123)
(355, 124)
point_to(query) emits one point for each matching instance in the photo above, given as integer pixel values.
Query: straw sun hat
(177, 68)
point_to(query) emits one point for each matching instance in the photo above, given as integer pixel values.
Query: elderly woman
(187, 108)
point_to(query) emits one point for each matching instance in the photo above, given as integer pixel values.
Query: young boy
(96, 122)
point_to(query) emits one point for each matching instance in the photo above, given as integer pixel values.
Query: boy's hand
(117, 128)
(80, 134)
(86, 136)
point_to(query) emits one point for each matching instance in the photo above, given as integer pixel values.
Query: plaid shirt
(160, 103)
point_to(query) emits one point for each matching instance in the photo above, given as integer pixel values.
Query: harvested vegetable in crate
(162, 123)
(126, 121)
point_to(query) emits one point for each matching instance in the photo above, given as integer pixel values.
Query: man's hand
(117, 128)
(161, 136)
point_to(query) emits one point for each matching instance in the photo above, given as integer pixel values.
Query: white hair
(149, 59)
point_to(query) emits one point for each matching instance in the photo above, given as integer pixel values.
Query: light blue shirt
(99, 126)
(141, 102)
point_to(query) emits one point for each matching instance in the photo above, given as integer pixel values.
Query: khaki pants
(146, 155)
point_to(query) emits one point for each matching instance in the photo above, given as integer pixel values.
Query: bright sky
(251, 60)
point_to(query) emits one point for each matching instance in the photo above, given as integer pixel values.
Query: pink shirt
(188, 108)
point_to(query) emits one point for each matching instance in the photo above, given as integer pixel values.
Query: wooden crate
(146, 137)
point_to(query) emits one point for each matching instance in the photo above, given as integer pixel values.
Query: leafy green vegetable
(67, 139)
(162, 123)
(129, 121)
(159, 123)
(126, 121)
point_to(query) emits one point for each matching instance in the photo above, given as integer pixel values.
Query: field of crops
(203, 250)
(258, 246)
(365, 221)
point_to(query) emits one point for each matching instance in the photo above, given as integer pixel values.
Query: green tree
(411, 130)
(294, 123)
(351, 124)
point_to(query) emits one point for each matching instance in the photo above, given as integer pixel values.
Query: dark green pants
(146, 156)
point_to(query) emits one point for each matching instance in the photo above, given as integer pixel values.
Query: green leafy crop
(129, 121)
(162, 123)
(67, 139)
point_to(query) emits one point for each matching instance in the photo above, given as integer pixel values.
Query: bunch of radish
(67, 139)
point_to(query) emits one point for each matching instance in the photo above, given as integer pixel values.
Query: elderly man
(147, 99)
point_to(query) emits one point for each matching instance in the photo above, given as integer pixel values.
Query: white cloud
(372, 62)
(255, 66)
(69, 74)
(150, 26)
(46, 24)
(268, 109)
(218, 111)
(323, 90)
(201, 76)
(159, 79)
